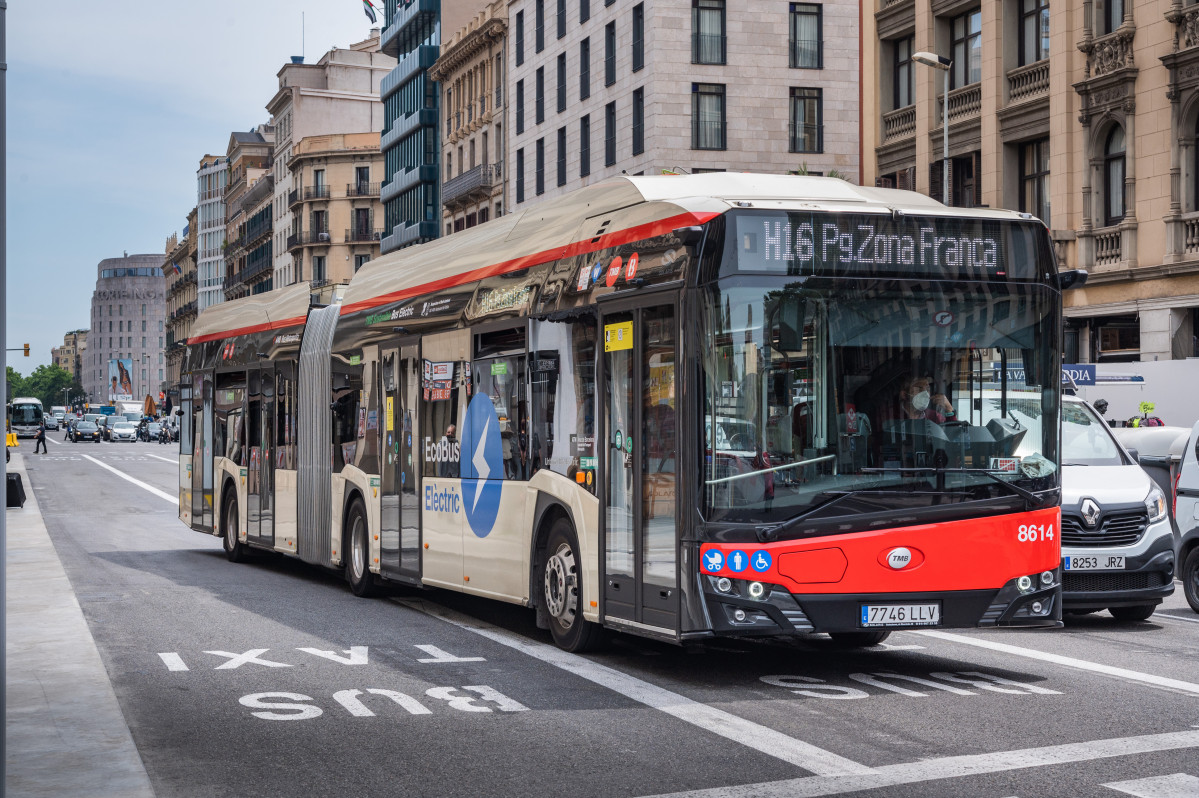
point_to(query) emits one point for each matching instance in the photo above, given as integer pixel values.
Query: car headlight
(1155, 504)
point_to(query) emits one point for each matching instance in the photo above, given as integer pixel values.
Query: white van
(1186, 515)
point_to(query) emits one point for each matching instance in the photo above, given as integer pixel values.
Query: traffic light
(26, 350)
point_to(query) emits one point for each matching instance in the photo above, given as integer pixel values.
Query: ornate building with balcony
(335, 206)
(1085, 116)
(210, 234)
(248, 190)
(179, 268)
(471, 76)
(69, 356)
(410, 141)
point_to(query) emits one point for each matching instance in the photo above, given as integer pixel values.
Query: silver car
(124, 431)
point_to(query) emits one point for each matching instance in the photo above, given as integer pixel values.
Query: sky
(110, 107)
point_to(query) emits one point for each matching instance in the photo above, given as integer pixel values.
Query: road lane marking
(1069, 662)
(164, 459)
(1178, 785)
(717, 721)
(162, 493)
(173, 661)
(954, 767)
(1171, 616)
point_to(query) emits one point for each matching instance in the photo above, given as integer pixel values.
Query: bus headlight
(1046, 578)
(757, 591)
(724, 584)
(1024, 584)
(1155, 504)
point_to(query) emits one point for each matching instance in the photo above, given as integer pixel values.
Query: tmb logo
(482, 465)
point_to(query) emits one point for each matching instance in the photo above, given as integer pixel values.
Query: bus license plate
(1106, 562)
(901, 614)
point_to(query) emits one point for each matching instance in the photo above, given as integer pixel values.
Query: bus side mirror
(1074, 278)
(689, 236)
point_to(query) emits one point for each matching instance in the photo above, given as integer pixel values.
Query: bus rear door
(400, 541)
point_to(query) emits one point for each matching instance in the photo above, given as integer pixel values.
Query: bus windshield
(25, 413)
(832, 397)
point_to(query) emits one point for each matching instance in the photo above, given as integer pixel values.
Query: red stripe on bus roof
(615, 238)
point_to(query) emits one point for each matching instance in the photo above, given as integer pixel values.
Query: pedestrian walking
(41, 438)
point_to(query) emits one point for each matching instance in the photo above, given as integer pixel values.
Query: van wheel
(562, 590)
(1138, 613)
(1190, 578)
(356, 547)
(235, 550)
(858, 639)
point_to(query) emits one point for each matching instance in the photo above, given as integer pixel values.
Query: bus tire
(1140, 612)
(562, 590)
(235, 550)
(859, 639)
(1190, 578)
(356, 546)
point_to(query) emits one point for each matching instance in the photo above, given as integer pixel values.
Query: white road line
(1179, 785)
(53, 441)
(1170, 616)
(162, 493)
(953, 767)
(173, 661)
(717, 721)
(1069, 662)
(164, 459)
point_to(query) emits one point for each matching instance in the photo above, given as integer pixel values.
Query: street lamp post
(942, 63)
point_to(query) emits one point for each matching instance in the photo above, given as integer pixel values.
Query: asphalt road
(270, 678)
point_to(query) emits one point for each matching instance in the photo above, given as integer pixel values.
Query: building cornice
(457, 55)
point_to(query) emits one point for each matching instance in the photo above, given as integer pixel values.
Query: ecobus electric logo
(482, 465)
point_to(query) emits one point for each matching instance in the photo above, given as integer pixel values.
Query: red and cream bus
(680, 406)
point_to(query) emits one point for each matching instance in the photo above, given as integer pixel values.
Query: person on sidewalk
(41, 438)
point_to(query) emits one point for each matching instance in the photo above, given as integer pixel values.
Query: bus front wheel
(562, 590)
(357, 552)
(235, 550)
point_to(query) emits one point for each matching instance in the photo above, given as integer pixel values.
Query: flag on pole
(369, 9)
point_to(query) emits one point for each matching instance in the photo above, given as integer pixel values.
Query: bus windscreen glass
(850, 244)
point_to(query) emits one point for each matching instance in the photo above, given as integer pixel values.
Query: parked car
(123, 431)
(1118, 545)
(1186, 515)
(86, 431)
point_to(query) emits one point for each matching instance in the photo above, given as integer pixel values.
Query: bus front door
(639, 463)
(399, 508)
(260, 424)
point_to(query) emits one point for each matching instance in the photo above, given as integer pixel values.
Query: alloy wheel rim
(357, 555)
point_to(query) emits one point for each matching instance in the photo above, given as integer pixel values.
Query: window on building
(707, 32)
(902, 91)
(539, 107)
(1034, 31)
(143, 310)
(318, 267)
(520, 37)
(449, 165)
(1113, 176)
(360, 261)
(967, 48)
(585, 146)
(707, 116)
(1034, 178)
(539, 21)
(483, 215)
(638, 121)
(520, 107)
(561, 82)
(638, 36)
(610, 134)
(561, 156)
(584, 11)
(609, 53)
(520, 175)
(561, 18)
(1113, 16)
(807, 128)
(143, 325)
(585, 69)
(807, 48)
(539, 173)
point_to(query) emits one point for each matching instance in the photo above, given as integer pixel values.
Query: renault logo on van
(1090, 512)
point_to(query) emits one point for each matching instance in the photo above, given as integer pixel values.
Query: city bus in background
(678, 406)
(25, 416)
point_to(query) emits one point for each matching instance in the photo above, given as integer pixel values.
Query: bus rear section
(879, 420)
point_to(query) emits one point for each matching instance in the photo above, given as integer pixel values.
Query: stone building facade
(596, 89)
(69, 356)
(248, 229)
(128, 323)
(210, 235)
(182, 294)
(1085, 115)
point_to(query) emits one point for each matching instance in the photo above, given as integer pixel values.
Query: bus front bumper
(736, 612)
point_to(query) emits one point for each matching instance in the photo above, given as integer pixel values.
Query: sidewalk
(66, 735)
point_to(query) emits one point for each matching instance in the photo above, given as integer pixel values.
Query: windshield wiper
(1028, 495)
(767, 535)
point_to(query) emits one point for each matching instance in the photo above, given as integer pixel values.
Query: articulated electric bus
(681, 407)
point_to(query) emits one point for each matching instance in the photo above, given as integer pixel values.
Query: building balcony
(965, 104)
(293, 241)
(899, 125)
(362, 189)
(403, 16)
(403, 126)
(402, 236)
(419, 59)
(470, 186)
(363, 235)
(316, 193)
(293, 198)
(1028, 82)
(402, 181)
(315, 237)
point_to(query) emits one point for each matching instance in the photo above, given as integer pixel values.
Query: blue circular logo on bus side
(482, 466)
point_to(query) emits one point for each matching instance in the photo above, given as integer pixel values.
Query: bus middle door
(400, 539)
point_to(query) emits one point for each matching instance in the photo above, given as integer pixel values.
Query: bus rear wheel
(859, 639)
(356, 548)
(562, 590)
(235, 550)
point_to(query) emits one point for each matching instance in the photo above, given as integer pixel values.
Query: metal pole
(3, 346)
(945, 143)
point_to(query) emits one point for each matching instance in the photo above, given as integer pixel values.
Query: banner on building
(120, 380)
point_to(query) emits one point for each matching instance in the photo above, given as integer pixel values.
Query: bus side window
(562, 381)
(499, 374)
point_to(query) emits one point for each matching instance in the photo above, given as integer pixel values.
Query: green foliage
(16, 384)
(803, 170)
(45, 383)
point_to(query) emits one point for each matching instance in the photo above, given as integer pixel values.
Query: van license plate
(901, 614)
(1103, 562)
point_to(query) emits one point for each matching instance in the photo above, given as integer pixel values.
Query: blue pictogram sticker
(738, 561)
(713, 560)
(760, 561)
(482, 465)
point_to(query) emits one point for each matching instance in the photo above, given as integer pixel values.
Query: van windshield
(1086, 439)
